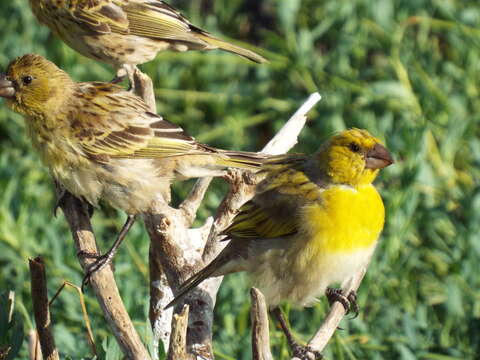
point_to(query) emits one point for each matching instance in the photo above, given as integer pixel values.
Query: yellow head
(34, 86)
(352, 157)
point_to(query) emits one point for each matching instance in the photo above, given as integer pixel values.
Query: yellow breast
(345, 220)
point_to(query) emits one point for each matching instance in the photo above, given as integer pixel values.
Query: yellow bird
(101, 142)
(125, 33)
(314, 221)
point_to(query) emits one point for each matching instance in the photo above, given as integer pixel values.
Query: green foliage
(408, 71)
(11, 329)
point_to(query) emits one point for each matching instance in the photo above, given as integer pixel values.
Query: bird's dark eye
(354, 147)
(27, 79)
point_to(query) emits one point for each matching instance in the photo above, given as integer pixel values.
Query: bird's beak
(378, 158)
(7, 89)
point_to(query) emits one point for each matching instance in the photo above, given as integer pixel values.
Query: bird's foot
(304, 352)
(100, 262)
(118, 79)
(124, 72)
(349, 302)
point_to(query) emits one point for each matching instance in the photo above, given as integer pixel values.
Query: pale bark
(102, 282)
(260, 331)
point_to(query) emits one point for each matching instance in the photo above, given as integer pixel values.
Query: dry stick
(260, 333)
(102, 282)
(41, 309)
(144, 88)
(178, 339)
(34, 350)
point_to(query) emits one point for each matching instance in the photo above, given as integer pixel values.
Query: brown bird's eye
(27, 79)
(354, 147)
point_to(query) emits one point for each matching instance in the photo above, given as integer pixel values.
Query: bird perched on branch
(313, 222)
(125, 33)
(101, 142)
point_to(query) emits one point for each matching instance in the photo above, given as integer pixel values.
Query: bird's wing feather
(155, 19)
(114, 123)
(271, 213)
(94, 16)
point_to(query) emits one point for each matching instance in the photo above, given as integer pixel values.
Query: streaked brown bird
(101, 142)
(125, 33)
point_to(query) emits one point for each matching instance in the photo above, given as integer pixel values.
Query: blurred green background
(408, 71)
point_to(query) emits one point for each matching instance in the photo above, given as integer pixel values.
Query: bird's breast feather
(345, 220)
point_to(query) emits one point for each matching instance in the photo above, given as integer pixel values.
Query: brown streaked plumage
(125, 33)
(101, 142)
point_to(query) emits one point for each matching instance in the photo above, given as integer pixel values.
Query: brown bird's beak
(378, 158)
(6, 87)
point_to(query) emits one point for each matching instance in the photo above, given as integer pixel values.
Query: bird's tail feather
(217, 43)
(240, 159)
(195, 280)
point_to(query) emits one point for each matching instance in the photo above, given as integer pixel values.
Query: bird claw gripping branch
(349, 302)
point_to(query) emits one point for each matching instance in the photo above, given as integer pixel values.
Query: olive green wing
(255, 221)
(93, 16)
(272, 213)
(158, 20)
(114, 123)
(98, 16)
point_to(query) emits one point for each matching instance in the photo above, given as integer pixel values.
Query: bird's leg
(349, 302)
(105, 259)
(60, 192)
(131, 69)
(302, 352)
(124, 71)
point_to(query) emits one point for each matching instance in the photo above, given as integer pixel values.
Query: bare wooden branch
(11, 305)
(34, 350)
(40, 308)
(178, 339)
(287, 137)
(260, 331)
(190, 205)
(102, 282)
(144, 88)
(175, 248)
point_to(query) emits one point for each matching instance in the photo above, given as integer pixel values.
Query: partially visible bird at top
(313, 222)
(125, 33)
(100, 141)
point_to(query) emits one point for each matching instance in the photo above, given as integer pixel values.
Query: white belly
(129, 185)
(275, 277)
